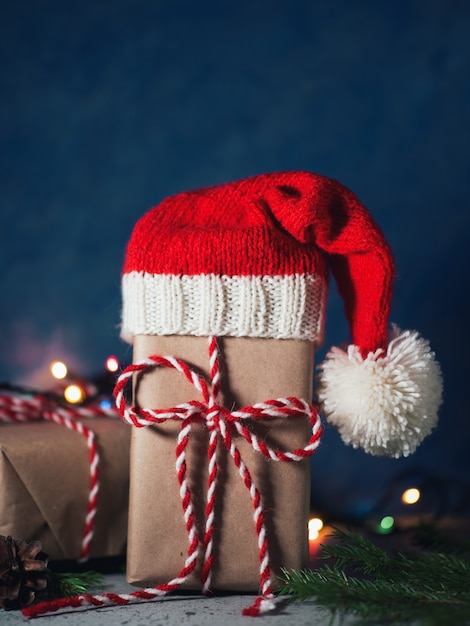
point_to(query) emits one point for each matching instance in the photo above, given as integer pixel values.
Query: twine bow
(221, 424)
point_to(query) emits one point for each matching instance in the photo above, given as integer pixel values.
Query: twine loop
(221, 425)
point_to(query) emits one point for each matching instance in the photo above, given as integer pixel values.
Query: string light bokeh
(75, 389)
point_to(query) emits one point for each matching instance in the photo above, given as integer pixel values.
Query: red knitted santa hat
(251, 259)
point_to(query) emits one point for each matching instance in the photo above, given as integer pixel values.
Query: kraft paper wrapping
(252, 370)
(45, 480)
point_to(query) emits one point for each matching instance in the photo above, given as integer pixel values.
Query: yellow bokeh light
(411, 496)
(58, 370)
(112, 364)
(74, 394)
(315, 524)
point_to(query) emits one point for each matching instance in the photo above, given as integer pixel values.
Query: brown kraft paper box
(252, 370)
(45, 481)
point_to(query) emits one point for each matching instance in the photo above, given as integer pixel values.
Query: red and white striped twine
(221, 424)
(15, 407)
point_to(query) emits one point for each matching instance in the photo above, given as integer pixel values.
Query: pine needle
(431, 539)
(75, 584)
(429, 588)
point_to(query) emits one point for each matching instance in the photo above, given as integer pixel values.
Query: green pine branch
(68, 585)
(431, 588)
(428, 538)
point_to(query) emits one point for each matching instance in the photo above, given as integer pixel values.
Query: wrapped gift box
(249, 262)
(252, 370)
(45, 482)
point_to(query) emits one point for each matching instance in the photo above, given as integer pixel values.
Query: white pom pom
(386, 403)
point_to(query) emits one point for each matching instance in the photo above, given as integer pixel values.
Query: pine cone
(23, 572)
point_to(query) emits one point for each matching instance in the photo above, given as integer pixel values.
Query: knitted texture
(281, 307)
(251, 258)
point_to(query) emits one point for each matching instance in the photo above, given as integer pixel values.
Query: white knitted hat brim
(278, 307)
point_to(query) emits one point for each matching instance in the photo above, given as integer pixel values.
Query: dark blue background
(108, 106)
